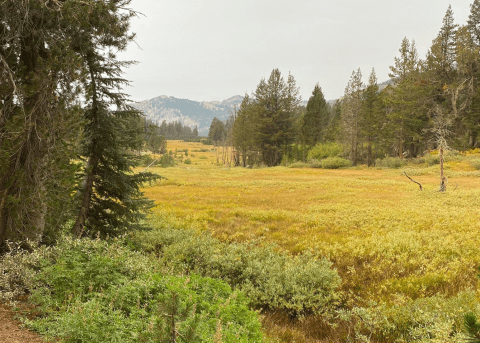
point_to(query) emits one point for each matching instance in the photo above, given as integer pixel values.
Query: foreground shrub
(325, 150)
(432, 319)
(298, 285)
(94, 291)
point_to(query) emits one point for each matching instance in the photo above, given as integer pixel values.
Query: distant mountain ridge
(188, 112)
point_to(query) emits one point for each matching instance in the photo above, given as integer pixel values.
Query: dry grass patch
(388, 240)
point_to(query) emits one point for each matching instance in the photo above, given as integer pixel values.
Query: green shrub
(433, 157)
(325, 150)
(206, 141)
(270, 279)
(315, 163)
(166, 161)
(432, 319)
(475, 163)
(97, 291)
(335, 163)
(188, 161)
(145, 160)
(391, 162)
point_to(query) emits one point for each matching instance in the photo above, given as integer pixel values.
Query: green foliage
(263, 129)
(188, 161)
(472, 327)
(145, 160)
(391, 162)
(431, 319)
(315, 120)
(217, 132)
(97, 291)
(206, 141)
(475, 163)
(335, 163)
(298, 285)
(176, 130)
(324, 150)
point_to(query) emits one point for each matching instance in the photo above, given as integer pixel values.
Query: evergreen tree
(316, 118)
(406, 108)
(334, 132)
(407, 63)
(111, 200)
(442, 55)
(351, 114)
(371, 122)
(244, 131)
(217, 132)
(277, 101)
(466, 99)
(39, 117)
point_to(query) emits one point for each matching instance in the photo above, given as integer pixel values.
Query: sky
(211, 50)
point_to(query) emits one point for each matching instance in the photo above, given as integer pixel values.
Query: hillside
(188, 112)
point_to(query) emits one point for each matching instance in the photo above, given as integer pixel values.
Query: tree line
(430, 103)
(67, 131)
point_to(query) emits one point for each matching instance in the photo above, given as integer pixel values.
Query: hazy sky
(213, 49)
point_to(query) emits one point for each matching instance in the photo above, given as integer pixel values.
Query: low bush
(200, 150)
(325, 150)
(296, 284)
(475, 163)
(299, 165)
(145, 160)
(188, 161)
(97, 291)
(166, 161)
(391, 162)
(335, 163)
(432, 319)
(315, 163)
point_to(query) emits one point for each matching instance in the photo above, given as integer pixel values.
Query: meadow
(390, 242)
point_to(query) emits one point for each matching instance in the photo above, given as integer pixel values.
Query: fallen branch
(418, 183)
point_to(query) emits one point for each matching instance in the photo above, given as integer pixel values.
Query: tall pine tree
(111, 200)
(315, 120)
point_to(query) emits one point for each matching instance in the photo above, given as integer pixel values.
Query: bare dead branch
(418, 183)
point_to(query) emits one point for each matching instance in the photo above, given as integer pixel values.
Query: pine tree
(442, 55)
(406, 64)
(371, 122)
(407, 115)
(39, 117)
(244, 130)
(316, 117)
(351, 114)
(111, 200)
(277, 102)
(217, 132)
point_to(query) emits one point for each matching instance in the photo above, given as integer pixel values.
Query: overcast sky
(208, 50)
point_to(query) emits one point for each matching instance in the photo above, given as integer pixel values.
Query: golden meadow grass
(387, 239)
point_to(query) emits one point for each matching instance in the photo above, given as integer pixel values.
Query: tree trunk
(3, 218)
(443, 179)
(78, 228)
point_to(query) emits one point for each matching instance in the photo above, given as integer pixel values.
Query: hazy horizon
(212, 50)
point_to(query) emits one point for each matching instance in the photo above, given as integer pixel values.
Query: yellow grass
(386, 238)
